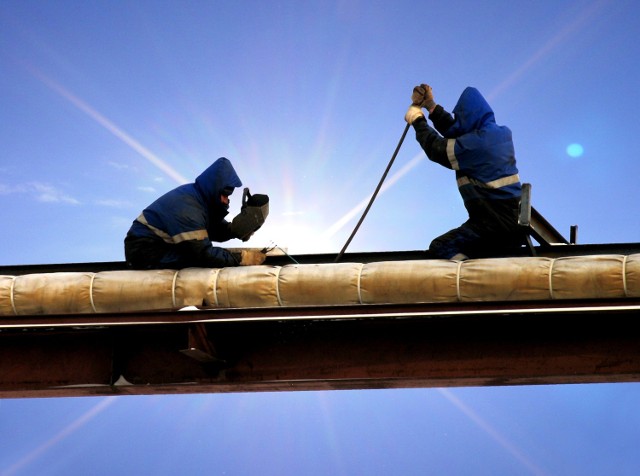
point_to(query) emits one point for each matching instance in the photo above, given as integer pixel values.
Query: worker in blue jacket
(176, 231)
(483, 157)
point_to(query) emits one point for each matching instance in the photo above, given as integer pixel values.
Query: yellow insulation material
(319, 284)
(409, 282)
(391, 282)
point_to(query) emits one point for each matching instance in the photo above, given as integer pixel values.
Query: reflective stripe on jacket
(192, 215)
(471, 143)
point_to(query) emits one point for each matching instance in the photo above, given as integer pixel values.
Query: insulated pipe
(496, 280)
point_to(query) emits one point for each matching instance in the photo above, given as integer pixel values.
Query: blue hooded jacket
(480, 151)
(189, 217)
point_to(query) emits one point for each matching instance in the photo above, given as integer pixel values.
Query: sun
(297, 237)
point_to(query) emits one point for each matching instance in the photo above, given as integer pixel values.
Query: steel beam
(349, 347)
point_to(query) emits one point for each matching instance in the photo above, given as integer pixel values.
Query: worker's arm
(442, 120)
(221, 232)
(431, 142)
(201, 253)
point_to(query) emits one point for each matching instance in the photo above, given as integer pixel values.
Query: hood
(472, 112)
(215, 178)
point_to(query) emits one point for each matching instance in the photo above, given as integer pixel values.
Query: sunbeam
(347, 217)
(492, 432)
(111, 127)
(105, 106)
(579, 23)
(58, 437)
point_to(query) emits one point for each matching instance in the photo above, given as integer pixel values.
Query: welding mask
(253, 213)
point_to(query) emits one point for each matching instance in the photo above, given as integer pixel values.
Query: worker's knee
(442, 249)
(457, 242)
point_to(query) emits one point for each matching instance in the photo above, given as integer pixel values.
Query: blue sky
(106, 105)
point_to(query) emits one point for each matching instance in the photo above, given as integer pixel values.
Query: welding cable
(373, 197)
(272, 246)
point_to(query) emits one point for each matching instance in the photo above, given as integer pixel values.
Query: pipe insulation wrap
(390, 282)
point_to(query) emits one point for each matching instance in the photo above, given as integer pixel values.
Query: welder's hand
(413, 113)
(251, 257)
(423, 96)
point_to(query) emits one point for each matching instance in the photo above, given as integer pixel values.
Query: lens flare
(575, 150)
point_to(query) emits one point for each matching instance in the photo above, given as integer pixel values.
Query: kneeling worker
(176, 231)
(482, 155)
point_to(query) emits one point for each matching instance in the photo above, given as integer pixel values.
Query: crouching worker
(176, 231)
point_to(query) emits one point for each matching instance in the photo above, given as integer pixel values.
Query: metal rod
(373, 197)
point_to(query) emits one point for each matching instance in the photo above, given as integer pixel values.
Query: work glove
(253, 213)
(413, 113)
(422, 96)
(249, 257)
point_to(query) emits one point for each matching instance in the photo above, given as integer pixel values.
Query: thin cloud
(48, 193)
(39, 191)
(110, 203)
(118, 165)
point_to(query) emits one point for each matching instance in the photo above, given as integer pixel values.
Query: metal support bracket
(537, 226)
(200, 347)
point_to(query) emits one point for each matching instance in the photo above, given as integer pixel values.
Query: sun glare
(298, 238)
